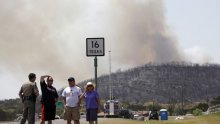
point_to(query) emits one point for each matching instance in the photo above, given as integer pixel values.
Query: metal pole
(96, 84)
(182, 100)
(110, 81)
(96, 64)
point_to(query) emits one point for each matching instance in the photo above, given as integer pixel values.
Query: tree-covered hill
(163, 83)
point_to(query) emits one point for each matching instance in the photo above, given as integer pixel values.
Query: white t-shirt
(72, 96)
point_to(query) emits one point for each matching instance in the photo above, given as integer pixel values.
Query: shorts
(71, 113)
(91, 114)
(48, 112)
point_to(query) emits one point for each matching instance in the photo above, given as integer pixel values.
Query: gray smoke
(48, 37)
(33, 38)
(142, 34)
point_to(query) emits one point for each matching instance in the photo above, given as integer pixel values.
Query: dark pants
(91, 114)
(28, 112)
(48, 112)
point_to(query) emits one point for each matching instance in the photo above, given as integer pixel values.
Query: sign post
(95, 47)
(96, 65)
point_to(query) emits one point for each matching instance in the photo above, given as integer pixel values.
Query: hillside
(163, 83)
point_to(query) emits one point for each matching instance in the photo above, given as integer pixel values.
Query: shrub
(197, 112)
(203, 106)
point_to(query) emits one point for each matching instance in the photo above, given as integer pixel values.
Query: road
(61, 121)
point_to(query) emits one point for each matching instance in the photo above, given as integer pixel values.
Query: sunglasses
(89, 86)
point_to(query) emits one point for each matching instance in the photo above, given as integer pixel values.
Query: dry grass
(207, 119)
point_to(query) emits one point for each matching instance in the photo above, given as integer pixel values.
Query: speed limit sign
(95, 47)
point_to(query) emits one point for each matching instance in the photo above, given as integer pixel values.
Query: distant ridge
(163, 83)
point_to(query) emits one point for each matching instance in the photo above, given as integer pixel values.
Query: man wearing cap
(48, 100)
(71, 101)
(28, 94)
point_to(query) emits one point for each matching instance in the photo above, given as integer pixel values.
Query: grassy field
(206, 119)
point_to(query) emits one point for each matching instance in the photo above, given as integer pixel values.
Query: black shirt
(49, 94)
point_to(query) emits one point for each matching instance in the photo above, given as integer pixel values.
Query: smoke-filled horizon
(49, 37)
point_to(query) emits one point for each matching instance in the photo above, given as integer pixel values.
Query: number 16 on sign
(95, 47)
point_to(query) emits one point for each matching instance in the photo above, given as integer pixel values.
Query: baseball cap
(71, 79)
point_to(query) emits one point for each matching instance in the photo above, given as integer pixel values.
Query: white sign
(95, 47)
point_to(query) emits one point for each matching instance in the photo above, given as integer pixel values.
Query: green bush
(197, 112)
(203, 106)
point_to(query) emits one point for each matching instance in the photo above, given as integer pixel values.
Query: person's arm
(43, 84)
(82, 96)
(21, 94)
(56, 96)
(64, 102)
(64, 98)
(80, 93)
(36, 91)
(43, 77)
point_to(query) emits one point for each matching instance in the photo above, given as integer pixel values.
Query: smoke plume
(48, 37)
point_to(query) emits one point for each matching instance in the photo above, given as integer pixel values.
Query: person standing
(71, 101)
(28, 93)
(48, 99)
(92, 102)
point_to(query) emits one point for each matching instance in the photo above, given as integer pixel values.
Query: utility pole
(110, 80)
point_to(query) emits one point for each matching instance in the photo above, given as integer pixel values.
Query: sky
(195, 24)
(47, 37)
